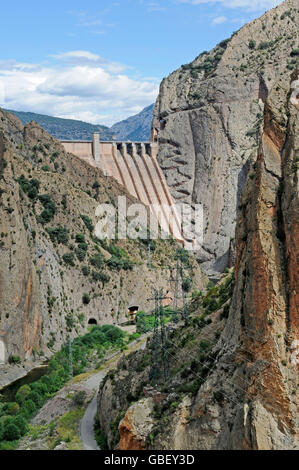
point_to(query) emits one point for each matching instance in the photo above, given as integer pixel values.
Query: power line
(204, 379)
(251, 362)
(159, 340)
(179, 280)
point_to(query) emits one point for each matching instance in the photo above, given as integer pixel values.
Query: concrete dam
(134, 165)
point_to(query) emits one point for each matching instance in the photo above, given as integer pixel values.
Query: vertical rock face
(248, 397)
(257, 366)
(267, 281)
(208, 116)
(136, 426)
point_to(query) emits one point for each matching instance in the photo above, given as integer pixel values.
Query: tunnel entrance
(132, 311)
(92, 321)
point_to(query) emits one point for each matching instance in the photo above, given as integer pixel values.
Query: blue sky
(101, 61)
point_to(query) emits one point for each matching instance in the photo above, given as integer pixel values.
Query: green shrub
(99, 276)
(12, 408)
(112, 332)
(251, 44)
(85, 299)
(80, 238)
(204, 344)
(29, 406)
(120, 263)
(80, 253)
(196, 95)
(187, 284)
(87, 221)
(13, 359)
(85, 270)
(97, 260)
(22, 393)
(225, 312)
(35, 397)
(3, 165)
(68, 258)
(59, 234)
(30, 187)
(78, 399)
(11, 432)
(49, 208)
(70, 321)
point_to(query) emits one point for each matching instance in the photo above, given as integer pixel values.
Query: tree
(22, 393)
(21, 424)
(12, 408)
(11, 432)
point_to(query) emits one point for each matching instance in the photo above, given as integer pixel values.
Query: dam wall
(133, 165)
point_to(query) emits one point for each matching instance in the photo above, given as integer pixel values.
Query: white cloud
(87, 20)
(77, 55)
(254, 5)
(97, 90)
(219, 20)
(90, 59)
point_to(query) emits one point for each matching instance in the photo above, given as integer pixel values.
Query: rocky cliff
(233, 381)
(208, 118)
(55, 276)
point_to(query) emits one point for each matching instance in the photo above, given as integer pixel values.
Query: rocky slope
(208, 117)
(54, 274)
(234, 370)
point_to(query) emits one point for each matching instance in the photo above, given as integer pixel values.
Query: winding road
(87, 422)
(92, 383)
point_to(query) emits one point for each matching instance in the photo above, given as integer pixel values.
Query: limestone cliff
(54, 274)
(233, 380)
(208, 117)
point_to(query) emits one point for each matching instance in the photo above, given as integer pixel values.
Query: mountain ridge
(135, 128)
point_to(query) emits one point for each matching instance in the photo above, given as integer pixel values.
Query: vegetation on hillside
(15, 416)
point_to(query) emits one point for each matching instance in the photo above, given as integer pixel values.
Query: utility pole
(149, 255)
(185, 309)
(175, 318)
(71, 358)
(159, 340)
(179, 281)
(117, 299)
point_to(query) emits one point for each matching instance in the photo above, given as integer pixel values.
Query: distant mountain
(135, 128)
(64, 129)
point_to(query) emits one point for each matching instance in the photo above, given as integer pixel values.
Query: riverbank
(57, 425)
